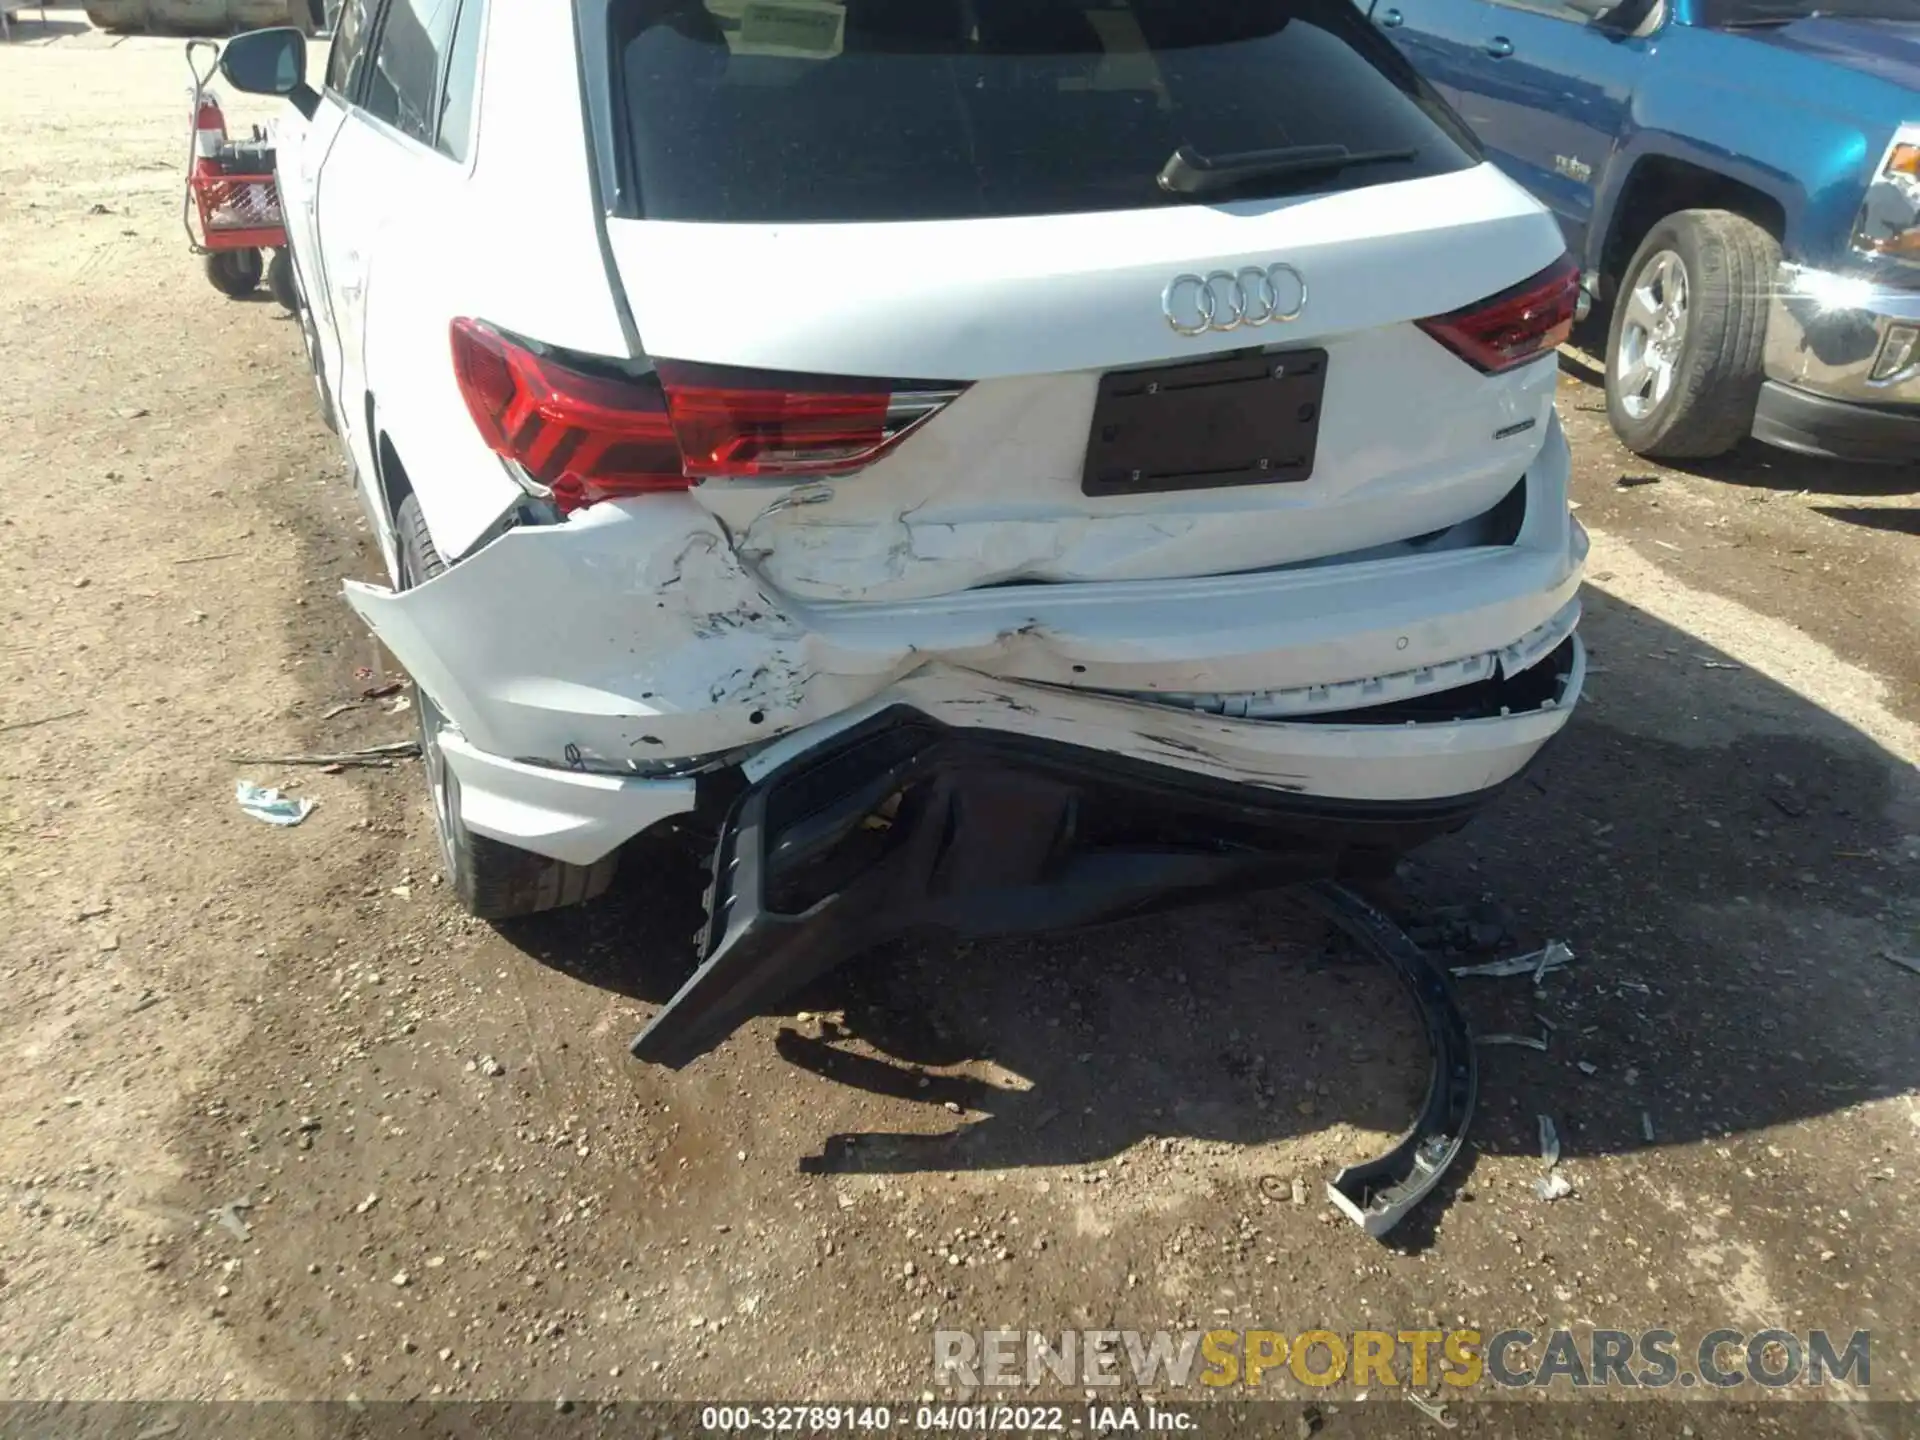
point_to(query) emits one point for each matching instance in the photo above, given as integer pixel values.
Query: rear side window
(463, 76)
(406, 65)
(847, 110)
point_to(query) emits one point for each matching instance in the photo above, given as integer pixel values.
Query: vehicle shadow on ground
(1763, 467)
(1751, 464)
(1724, 856)
(27, 32)
(1899, 521)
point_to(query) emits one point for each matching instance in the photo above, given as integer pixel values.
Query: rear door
(1135, 376)
(378, 181)
(299, 175)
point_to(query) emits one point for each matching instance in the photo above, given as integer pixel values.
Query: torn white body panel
(634, 635)
(571, 815)
(579, 817)
(633, 638)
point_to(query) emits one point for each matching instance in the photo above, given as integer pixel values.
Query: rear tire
(1687, 347)
(492, 880)
(235, 273)
(281, 282)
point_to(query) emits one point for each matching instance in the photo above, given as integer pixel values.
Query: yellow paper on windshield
(808, 29)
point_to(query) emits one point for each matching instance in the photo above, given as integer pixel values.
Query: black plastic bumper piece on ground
(1378, 1194)
(1837, 429)
(905, 826)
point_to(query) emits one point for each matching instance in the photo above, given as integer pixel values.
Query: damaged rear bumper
(905, 822)
(590, 670)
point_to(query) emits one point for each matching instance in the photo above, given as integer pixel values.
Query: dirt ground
(455, 1182)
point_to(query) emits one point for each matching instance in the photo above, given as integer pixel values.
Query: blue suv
(1740, 181)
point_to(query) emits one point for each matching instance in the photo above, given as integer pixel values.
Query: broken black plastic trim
(1378, 1194)
(904, 826)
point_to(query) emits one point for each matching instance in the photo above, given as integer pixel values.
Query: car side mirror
(271, 62)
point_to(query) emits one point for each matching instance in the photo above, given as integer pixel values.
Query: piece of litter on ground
(340, 710)
(1646, 1126)
(270, 805)
(373, 755)
(1549, 1142)
(1552, 1187)
(1434, 1410)
(1718, 665)
(1531, 1042)
(1905, 962)
(1554, 955)
(228, 1216)
(1587, 1067)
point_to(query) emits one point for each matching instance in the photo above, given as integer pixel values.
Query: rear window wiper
(1188, 172)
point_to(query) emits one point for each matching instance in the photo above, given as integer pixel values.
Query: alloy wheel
(1654, 336)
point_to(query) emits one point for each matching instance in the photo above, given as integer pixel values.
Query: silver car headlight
(1889, 222)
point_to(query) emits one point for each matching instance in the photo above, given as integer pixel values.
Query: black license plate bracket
(1245, 419)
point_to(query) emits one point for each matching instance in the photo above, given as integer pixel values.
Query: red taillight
(1516, 325)
(586, 437)
(591, 437)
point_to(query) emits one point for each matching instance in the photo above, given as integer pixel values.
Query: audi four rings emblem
(1227, 300)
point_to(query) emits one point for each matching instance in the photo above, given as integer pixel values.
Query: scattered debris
(1531, 1042)
(1554, 955)
(1554, 1186)
(1377, 1194)
(381, 692)
(1646, 1126)
(1587, 1067)
(160, 1429)
(1629, 482)
(491, 1067)
(94, 912)
(373, 756)
(340, 710)
(1905, 962)
(1706, 664)
(1434, 1410)
(270, 805)
(1784, 798)
(43, 720)
(228, 1216)
(215, 555)
(1549, 1142)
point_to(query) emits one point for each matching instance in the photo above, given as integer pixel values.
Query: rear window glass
(846, 110)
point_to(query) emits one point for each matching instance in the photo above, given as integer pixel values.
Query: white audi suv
(977, 465)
